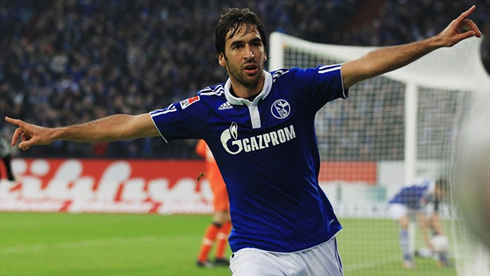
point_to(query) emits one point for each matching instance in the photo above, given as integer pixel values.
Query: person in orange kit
(220, 227)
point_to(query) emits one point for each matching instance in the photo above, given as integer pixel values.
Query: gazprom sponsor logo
(233, 145)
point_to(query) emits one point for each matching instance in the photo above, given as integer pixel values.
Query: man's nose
(248, 53)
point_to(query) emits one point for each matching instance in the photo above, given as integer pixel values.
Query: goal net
(393, 129)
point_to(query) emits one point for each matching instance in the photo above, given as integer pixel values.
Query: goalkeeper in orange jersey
(220, 227)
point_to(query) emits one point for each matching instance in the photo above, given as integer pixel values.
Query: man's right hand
(29, 134)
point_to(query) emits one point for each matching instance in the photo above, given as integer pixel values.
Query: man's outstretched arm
(390, 58)
(108, 129)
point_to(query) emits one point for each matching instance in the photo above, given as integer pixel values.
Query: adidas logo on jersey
(225, 105)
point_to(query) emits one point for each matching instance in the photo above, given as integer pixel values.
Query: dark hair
(442, 184)
(233, 20)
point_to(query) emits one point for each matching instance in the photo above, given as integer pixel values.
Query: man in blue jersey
(260, 127)
(420, 201)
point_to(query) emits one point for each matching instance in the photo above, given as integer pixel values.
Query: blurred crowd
(71, 61)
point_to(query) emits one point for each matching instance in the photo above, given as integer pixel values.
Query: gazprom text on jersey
(258, 142)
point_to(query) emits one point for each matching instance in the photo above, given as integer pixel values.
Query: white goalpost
(441, 70)
(394, 128)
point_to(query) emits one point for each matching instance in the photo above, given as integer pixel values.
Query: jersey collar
(240, 101)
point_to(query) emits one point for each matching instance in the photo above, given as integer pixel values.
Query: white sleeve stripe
(329, 66)
(208, 91)
(326, 70)
(160, 111)
(154, 113)
(216, 92)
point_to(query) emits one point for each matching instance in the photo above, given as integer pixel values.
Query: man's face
(244, 59)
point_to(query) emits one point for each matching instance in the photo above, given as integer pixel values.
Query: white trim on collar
(240, 101)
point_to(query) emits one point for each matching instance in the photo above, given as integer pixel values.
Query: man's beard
(244, 79)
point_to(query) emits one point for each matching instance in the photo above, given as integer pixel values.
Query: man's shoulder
(284, 74)
(276, 74)
(295, 72)
(212, 92)
(207, 98)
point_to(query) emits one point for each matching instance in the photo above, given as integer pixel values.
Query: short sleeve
(182, 120)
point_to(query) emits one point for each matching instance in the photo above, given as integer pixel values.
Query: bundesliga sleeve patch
(187, 102)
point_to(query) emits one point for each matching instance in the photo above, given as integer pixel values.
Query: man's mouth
(251, 69)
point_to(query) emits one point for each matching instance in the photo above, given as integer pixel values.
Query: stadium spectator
(219, 230)
(61, 61)
(260, 128)
(420, 201)
(6, 156)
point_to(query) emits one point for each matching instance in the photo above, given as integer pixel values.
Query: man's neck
(244, 92)
(250, 98)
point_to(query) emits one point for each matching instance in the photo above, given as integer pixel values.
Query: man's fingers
(463, 27)
(25, 137)
(463, 16)
(26, 141)
(23, 146)
(467, 29)
(467, 13)
(470, 26)
(16, 122)
(18, 133)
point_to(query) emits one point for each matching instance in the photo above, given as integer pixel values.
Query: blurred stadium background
(65, 62)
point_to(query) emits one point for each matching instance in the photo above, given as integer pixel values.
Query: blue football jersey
(415, 196)
(267, 153)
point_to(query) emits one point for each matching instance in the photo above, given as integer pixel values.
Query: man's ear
(265, 56)
(222, 60)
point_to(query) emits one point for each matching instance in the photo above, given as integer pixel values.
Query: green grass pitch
(122, 244)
